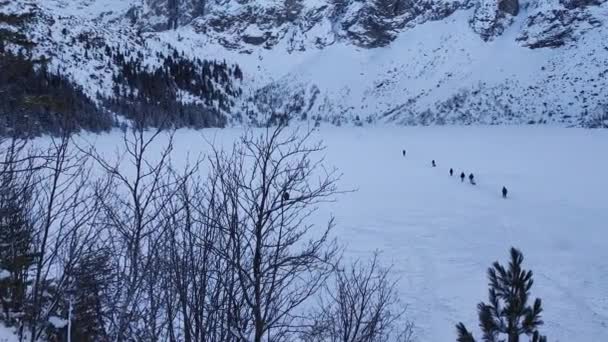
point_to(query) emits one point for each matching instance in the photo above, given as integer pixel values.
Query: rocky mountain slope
(122, 73)
(346, 61)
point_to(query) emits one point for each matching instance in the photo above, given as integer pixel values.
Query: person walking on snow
(462, 176)
(472, 179)
(504, 192)
(433, 163)
(404, 153)
(451, 172)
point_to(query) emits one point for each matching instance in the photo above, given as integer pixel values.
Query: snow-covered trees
(36, 100)
(177, 93)
(509, 313)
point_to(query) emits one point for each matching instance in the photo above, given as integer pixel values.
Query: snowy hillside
(341, 61)
(117, 68)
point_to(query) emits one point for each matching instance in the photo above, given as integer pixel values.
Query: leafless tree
(65, 209)
(230, 254)
(139, 188)
(266, 190)
(18, 166)
(360, 305)
(50, 187)
(191, 266)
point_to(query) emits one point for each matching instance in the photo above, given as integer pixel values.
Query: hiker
(472, 179)
(504, 192)
(433, 163)
(451, 172)
(404, 153)
(462, 176)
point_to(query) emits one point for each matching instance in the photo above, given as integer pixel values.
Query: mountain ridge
(358, 62)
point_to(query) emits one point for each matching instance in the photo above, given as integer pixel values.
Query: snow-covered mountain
(347, 61)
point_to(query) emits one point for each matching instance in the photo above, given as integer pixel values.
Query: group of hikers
(462, 176)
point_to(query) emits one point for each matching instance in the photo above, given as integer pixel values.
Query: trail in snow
(442, 234)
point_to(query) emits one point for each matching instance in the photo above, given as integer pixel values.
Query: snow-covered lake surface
(442, 235)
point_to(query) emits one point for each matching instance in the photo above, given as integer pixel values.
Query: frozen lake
(442, 235)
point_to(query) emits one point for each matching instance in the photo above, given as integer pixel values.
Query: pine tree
(16, 247)
(85, 301)
(508, 313)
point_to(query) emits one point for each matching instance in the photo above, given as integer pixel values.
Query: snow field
(442, 235)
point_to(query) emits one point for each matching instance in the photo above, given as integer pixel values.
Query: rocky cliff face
(557, 26)
(491, 17)
(237, 24)
(162, 15)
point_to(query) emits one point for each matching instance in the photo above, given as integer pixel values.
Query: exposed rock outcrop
(572, 4)
(170, 14)
(509, 6)
(557, 27)
(492, 17)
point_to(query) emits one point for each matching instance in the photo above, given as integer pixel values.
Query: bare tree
(139, 188)
(50, 207)
(360, 305)
(18, 167)
(65, 208)
(199, 277)
(267, 188)
(229, 256)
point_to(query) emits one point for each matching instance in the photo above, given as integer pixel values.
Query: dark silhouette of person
(451, 172)
(404, 153)
(433, 163)
(462, 176)
(472, 179)
(504, 192)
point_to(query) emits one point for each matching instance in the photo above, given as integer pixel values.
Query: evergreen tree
(16, 245)
(508, 313)
(86, 302)
(151, 96)
(36, 100)
(91, 282)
